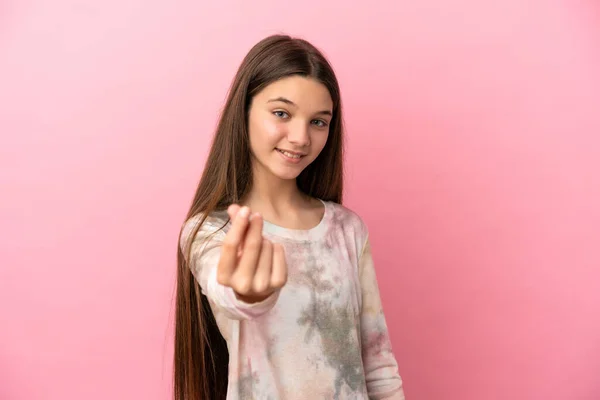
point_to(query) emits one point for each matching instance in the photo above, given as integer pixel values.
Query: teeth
(290, 154)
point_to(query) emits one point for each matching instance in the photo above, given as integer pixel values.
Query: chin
(285, 171)
(286, 175)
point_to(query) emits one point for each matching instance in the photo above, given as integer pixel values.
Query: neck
(272, 195)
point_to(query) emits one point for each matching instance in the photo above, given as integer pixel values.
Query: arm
(206, 249)
(381, 368)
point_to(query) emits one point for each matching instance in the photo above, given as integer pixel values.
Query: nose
(299, 135)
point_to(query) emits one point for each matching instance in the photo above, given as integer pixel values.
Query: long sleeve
(380, 365)
(203, 261)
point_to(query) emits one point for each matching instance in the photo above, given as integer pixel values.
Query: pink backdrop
(473, 155)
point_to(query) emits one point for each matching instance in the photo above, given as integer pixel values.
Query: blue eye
(320, 123)
(280, 114)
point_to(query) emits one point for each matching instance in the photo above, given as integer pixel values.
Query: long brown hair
(201, 357)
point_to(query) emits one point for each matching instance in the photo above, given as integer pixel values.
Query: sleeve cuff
(235, 308)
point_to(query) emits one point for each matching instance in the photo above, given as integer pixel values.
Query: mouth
(291, 154)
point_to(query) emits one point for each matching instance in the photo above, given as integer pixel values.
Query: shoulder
(202, 228)
(346, 219)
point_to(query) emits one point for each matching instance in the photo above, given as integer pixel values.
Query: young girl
(277, 296)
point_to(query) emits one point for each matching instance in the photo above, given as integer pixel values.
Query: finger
(262, 276)
(279, 271)
(231, 243)
(244, 273)
(232, 211)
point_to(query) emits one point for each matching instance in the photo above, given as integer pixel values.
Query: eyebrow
(291, 103)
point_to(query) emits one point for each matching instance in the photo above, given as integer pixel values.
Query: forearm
(380, 365)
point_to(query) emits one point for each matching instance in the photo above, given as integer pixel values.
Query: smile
(290, 154)
(290, 157)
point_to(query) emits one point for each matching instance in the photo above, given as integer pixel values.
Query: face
(288, 126)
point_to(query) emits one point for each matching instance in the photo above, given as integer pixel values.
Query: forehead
(304, 92)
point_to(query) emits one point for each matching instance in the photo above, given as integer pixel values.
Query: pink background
(473, 155)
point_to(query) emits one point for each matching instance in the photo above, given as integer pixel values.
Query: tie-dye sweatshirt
(323, 335)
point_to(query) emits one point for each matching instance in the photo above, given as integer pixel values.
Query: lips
(291, 154)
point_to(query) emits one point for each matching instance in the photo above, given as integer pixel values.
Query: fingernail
(244, 212)
(254, 216)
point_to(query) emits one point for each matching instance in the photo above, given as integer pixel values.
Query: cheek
(274, 130)
(266, 132)
(318, 140)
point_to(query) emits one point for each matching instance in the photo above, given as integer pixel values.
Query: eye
(281, 114)
(320, 123)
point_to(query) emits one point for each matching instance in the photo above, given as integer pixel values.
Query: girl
(277, 296)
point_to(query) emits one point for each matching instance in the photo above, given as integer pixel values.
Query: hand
(251, 265)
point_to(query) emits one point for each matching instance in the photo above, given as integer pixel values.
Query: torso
(308, 345)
